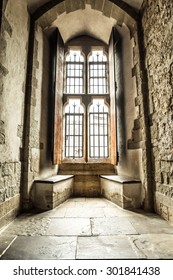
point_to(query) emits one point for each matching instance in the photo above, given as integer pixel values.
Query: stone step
(86, 168)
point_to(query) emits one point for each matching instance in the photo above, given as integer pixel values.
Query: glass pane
(98, 129)
(74, 73)
(74, 132)
(97, 73)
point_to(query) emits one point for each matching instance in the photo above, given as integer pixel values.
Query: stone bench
(49, 193)
(121, 190)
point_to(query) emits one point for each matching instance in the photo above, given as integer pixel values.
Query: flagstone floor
(87, 228)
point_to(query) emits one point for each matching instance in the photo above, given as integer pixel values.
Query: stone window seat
(50, 192)
(121, 190)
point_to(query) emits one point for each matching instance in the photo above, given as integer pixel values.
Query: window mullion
(103, 133)
(98, 132)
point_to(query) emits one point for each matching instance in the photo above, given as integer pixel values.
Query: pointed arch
(51, 4)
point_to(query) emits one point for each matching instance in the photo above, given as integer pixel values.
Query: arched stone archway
(24, 68)
(47, 17)
(117, 10)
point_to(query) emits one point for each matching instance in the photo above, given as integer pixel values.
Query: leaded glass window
(74, 73)
(74, 129)
(98, 73)
(98, 130)
(86, 134)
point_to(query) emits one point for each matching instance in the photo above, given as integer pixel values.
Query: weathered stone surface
(87, 185)
(70, 227)
(42, 248)
(158, 43)
(158, 66)
(2, 136)
(13, 40)
(153, 246)
(6, 26)
(99, 4)
(10, 179)
(112, 226)
(104, 247)
(9, 208)
(118, 234)
(123, 191)
(49, 193)
(107, 9)
(5, 242)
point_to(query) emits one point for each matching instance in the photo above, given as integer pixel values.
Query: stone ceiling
(86, 17)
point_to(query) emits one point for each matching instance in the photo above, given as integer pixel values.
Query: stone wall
(37, 158)
(13, 54)
(130, 162)
(158, 39)
(46, 140)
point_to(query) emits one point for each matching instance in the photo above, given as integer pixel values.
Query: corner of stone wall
(157, 118)
(140, 134)
(12, 83)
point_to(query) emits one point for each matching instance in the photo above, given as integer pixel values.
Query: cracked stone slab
(41, 248)
(69, 226)
(112, 226)
(28, 225)
(5, 242)
(153, 246)
(150, 224)
(104, 247)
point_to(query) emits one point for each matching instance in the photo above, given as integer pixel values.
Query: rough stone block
(164, 211)
(60, 8)
(9, 209)
(6, 26)
(3, 70)
(2, 138)
(20, 131)
(3, 45)
(123, 191)
(91, 2)
(117, 14)
(7, 169)
(107, 9)
(49, 193)
(73, 5)
(137, 135)
(131, 145)
(99, 4)
(138, 100)
(86, 185)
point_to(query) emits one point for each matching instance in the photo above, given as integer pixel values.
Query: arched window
(74, 129)
(98, 129)
(86, 126)
(74, 73)
(85, 102)
(98, 73)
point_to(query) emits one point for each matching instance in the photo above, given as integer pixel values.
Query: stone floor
(87, 228)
